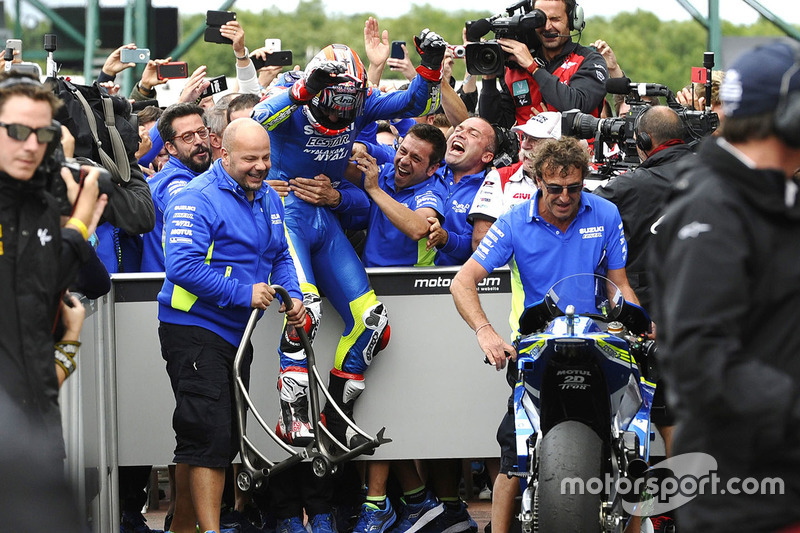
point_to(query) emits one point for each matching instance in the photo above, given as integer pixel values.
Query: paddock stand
(325, 451)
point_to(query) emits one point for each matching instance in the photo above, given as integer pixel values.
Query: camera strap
(119, 166)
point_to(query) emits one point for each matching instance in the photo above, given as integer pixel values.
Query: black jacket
(726, 264)
(38, 260)
(640, 196)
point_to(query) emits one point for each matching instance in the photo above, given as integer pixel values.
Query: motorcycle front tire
(569, 450)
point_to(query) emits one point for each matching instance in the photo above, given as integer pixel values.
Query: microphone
(625, 86)
(477, 29)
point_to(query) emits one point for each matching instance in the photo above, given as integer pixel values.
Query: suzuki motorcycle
(581, 406)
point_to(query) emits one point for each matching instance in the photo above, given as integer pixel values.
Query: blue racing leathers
(323, 256)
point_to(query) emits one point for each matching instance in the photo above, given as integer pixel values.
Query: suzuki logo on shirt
(44, 236)
(593, 232)
(460, 208)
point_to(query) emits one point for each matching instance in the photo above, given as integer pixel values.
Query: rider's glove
(325, 75)
(431, 48)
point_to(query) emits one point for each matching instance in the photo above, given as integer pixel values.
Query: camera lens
(488, 56)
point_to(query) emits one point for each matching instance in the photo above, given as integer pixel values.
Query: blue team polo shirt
(460, 196)
(543, 254)
(388, 246)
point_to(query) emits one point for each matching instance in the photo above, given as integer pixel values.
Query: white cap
(546, 125)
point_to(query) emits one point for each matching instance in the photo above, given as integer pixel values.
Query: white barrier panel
(429, 388)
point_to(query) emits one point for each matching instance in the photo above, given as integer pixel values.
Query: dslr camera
(620, 130)
(519, 23)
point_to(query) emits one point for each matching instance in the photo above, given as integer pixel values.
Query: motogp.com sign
(670, 484)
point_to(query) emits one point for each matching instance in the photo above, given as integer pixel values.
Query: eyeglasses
(556, 189)
(188, 137)
(20, 132)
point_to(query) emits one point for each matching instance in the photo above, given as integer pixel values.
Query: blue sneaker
(453, 521)
(291, 525)
(415, 516)
(375, 520)
(323, 523)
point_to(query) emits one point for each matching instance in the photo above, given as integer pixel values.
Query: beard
(195, 165)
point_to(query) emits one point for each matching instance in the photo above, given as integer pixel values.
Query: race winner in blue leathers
(312, 126)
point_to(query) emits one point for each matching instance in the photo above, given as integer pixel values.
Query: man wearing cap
(725, 262)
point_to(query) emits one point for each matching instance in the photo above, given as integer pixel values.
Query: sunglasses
(20, 132)
(188, 137)
(556, 189)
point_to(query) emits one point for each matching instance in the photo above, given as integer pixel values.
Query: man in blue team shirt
(186, 138)
(402, 196)
(225, 241)
(558, 233)
(470, 151)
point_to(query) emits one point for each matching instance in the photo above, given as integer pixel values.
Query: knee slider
(376, 323)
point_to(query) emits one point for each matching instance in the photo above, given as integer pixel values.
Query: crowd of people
(304, 178)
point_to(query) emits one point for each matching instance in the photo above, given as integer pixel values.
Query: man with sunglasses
(186, 139)
(38, 257)
(558, 233)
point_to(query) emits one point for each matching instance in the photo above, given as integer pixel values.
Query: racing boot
(345, 389)
(294, 426)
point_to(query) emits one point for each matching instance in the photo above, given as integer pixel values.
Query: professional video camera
(620, 130)
(488, 58)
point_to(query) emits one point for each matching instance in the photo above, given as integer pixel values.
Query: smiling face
(555, 33)
(20, 159)
(412, 162)
(196, 154)
(246, 154)
(469, 148)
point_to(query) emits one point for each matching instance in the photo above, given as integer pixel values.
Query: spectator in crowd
(403, 195)
(556, 75)
(724, 260)
(39, 258)
(470, 152)
(241, 106)
(187, 142)
(205, 304)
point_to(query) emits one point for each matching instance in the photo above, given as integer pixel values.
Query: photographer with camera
(546, 70)
(38, 257)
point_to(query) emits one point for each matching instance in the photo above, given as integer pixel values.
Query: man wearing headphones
(552, 73)
(640, 195)
(725, 262)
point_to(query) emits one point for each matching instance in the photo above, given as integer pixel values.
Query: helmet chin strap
(324, 130)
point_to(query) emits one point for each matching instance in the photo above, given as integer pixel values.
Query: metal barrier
(430, 387)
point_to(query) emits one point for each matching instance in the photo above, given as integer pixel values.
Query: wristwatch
(246, 53)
